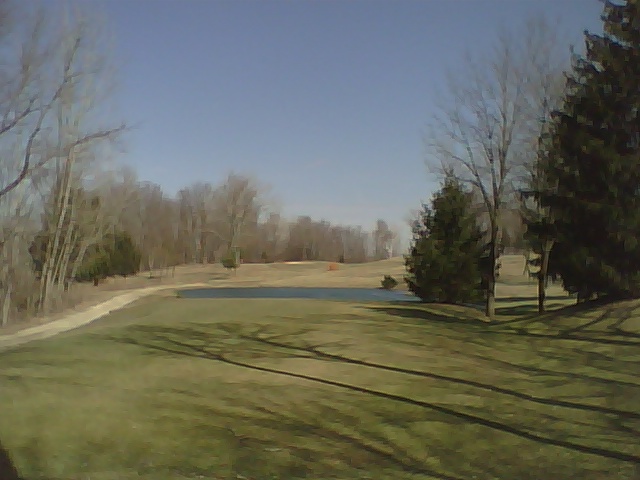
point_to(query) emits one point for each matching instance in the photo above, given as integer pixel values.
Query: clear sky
(325, 101)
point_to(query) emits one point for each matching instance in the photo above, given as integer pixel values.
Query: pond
(343, 294)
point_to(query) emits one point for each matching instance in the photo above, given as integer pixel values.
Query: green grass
(284, 389)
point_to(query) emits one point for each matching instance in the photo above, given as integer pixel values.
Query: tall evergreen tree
(592, 177)
(446, 256)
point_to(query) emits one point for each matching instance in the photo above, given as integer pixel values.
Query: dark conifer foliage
(592, 174)
(446, 256)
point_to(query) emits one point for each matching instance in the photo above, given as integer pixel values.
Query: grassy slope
(305, 274)
(175, 389)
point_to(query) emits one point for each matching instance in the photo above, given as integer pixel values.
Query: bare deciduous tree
(272, 237)
(382, 240)
(548, 86)
(197, 207)
(77, 97)
(485, 135)
(238, 203)
(51, 86)
(16, 231)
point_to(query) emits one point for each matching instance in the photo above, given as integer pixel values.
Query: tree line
(67, 214)
(114, 224)
(558, 138)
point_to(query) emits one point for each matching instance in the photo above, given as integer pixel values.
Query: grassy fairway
(263, 389)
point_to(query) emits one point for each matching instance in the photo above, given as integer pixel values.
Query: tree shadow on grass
(606, 328)
(212, 346)
(537, 371)
(621, 316)
(519, 310)
(314, 351)
(317, 422)
(612, 335)
(566, 310)
(427, 311)
(203, 345)
(531, 298)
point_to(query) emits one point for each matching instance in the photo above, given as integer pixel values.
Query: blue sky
(324, 101)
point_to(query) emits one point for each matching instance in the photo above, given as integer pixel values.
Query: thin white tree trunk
(52, 257)
(70, 235)
(84, 246)
(6, 301)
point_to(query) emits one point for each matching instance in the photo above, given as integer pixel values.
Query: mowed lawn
(172, 388)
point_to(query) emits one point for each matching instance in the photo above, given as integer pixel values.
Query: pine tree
(594, 164)
(447, 252)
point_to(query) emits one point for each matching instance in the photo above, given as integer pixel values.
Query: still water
(344, 294)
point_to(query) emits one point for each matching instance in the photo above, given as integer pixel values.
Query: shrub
(388, 282)
(116, 255)
(125, 256)
(229, 261)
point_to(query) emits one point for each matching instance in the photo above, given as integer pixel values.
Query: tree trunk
(151, 262)
(6, 302)
(79, 259)
(527, 259)
(60, 273)
(541, 292)
(490, 308)
(542, 274)
(47, 279)
(8, 257)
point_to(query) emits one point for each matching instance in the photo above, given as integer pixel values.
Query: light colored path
(82, 317)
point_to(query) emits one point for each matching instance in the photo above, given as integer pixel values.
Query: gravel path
(82, 317)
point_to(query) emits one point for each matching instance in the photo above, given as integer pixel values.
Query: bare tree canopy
(486, 131)
(383, 238)
(48, 63)
(238, 204)
(53, 86)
